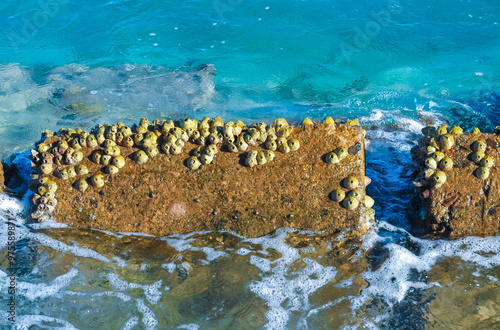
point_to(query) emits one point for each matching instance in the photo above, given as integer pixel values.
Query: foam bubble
(148, 317)
(131, 323)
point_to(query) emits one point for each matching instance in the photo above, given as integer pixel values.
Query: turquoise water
(394, 65)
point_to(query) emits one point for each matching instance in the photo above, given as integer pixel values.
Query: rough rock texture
(2, 179)
(163, 196)
(464, 205)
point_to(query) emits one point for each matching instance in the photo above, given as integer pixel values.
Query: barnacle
(353, 122)
(111, 169)
(42, 147)
(341, 152)
(62, 174)
(476, 156)
(100, 138)
(140, 157)
(251, 158)
(280, 122)
(249, 139)
(138, 137)
(356, 193)
(81, 169)
(329, 121)
(446, 163)
(285, 148)
(476, 131)
(457, 130)
(269, 154)
(350, 182)
(271, 145)
(350, 203)
(206, 159)
(337, 195)
(282, 132)
(442, 129)
(71, 172)
(96, 156)
(105, 159)
(478, 145)
(241, 143)
(331, 158)
(175, 150)
(112, 150)
(232, 148)
(487, 161)
(46, 168)
(438, 155)
(193, 163)
(127, 142)
(430, 162)
(482, 172)
(446, 142)
(439, 178)
(307, 121)
(369, 202)
(211, 149)
(118, 161)
(81, 185)
(294, 144)
(148, 142)
(261, 158)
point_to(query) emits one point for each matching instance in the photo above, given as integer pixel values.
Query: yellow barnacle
(337, 195)
(138, 137)
(430, 150)
(487, 161)
(71, 172)
(100, 138)
(75, 144)
(430, 162)
(118, 161)
(81, 185)
(241, 143)
(148, 143)
(369, 202)
(294, 144)
(108, 143)
(62, 174)
(446, 142)
(41, 190)
(151, 152)
(96, 156)
(211, 149)
(356, 193)
(331, 158)
(446, 163)
(261, 158)
(350, 203)
(476, 131)
(206, 159)
(111, 169)
(456, 130)
(140, 157)
(478, 145)
(271, 145)
(127, 142)
(193, 163)
(249, 139)
(281, 122)
(307, 121)
(282, 132)
(269, 154)
(350, 182)
(442, 129)
(438, 155)
(232, 148)
(477, 156)
(439, 178)
(105, 159)
(284, 148)
(175, 150)
(81, 169)
(180, 143)
(369, 213)
(482, 172)
(46, 168)
(165, 148)
(341, 152)
(42, 147)
(353, 122)
(329, 121)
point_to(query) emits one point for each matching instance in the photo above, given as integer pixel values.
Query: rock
(465, 205)
(223, 194)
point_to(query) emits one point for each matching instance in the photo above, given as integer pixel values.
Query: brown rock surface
(2, 178)
(464, 205)
(164, 197)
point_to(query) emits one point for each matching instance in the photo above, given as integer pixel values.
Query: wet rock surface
(163, 196)
(467, 203)
(2, 178)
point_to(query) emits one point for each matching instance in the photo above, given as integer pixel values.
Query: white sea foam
(148, 317)
(25, 322)
(44, 290)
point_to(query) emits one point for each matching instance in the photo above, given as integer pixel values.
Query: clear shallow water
(70, 64)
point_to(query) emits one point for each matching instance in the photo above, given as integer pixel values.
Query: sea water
(394, 65)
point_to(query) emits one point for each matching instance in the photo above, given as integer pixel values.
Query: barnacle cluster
(349, 196)
(60, 154)
(438, 148)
